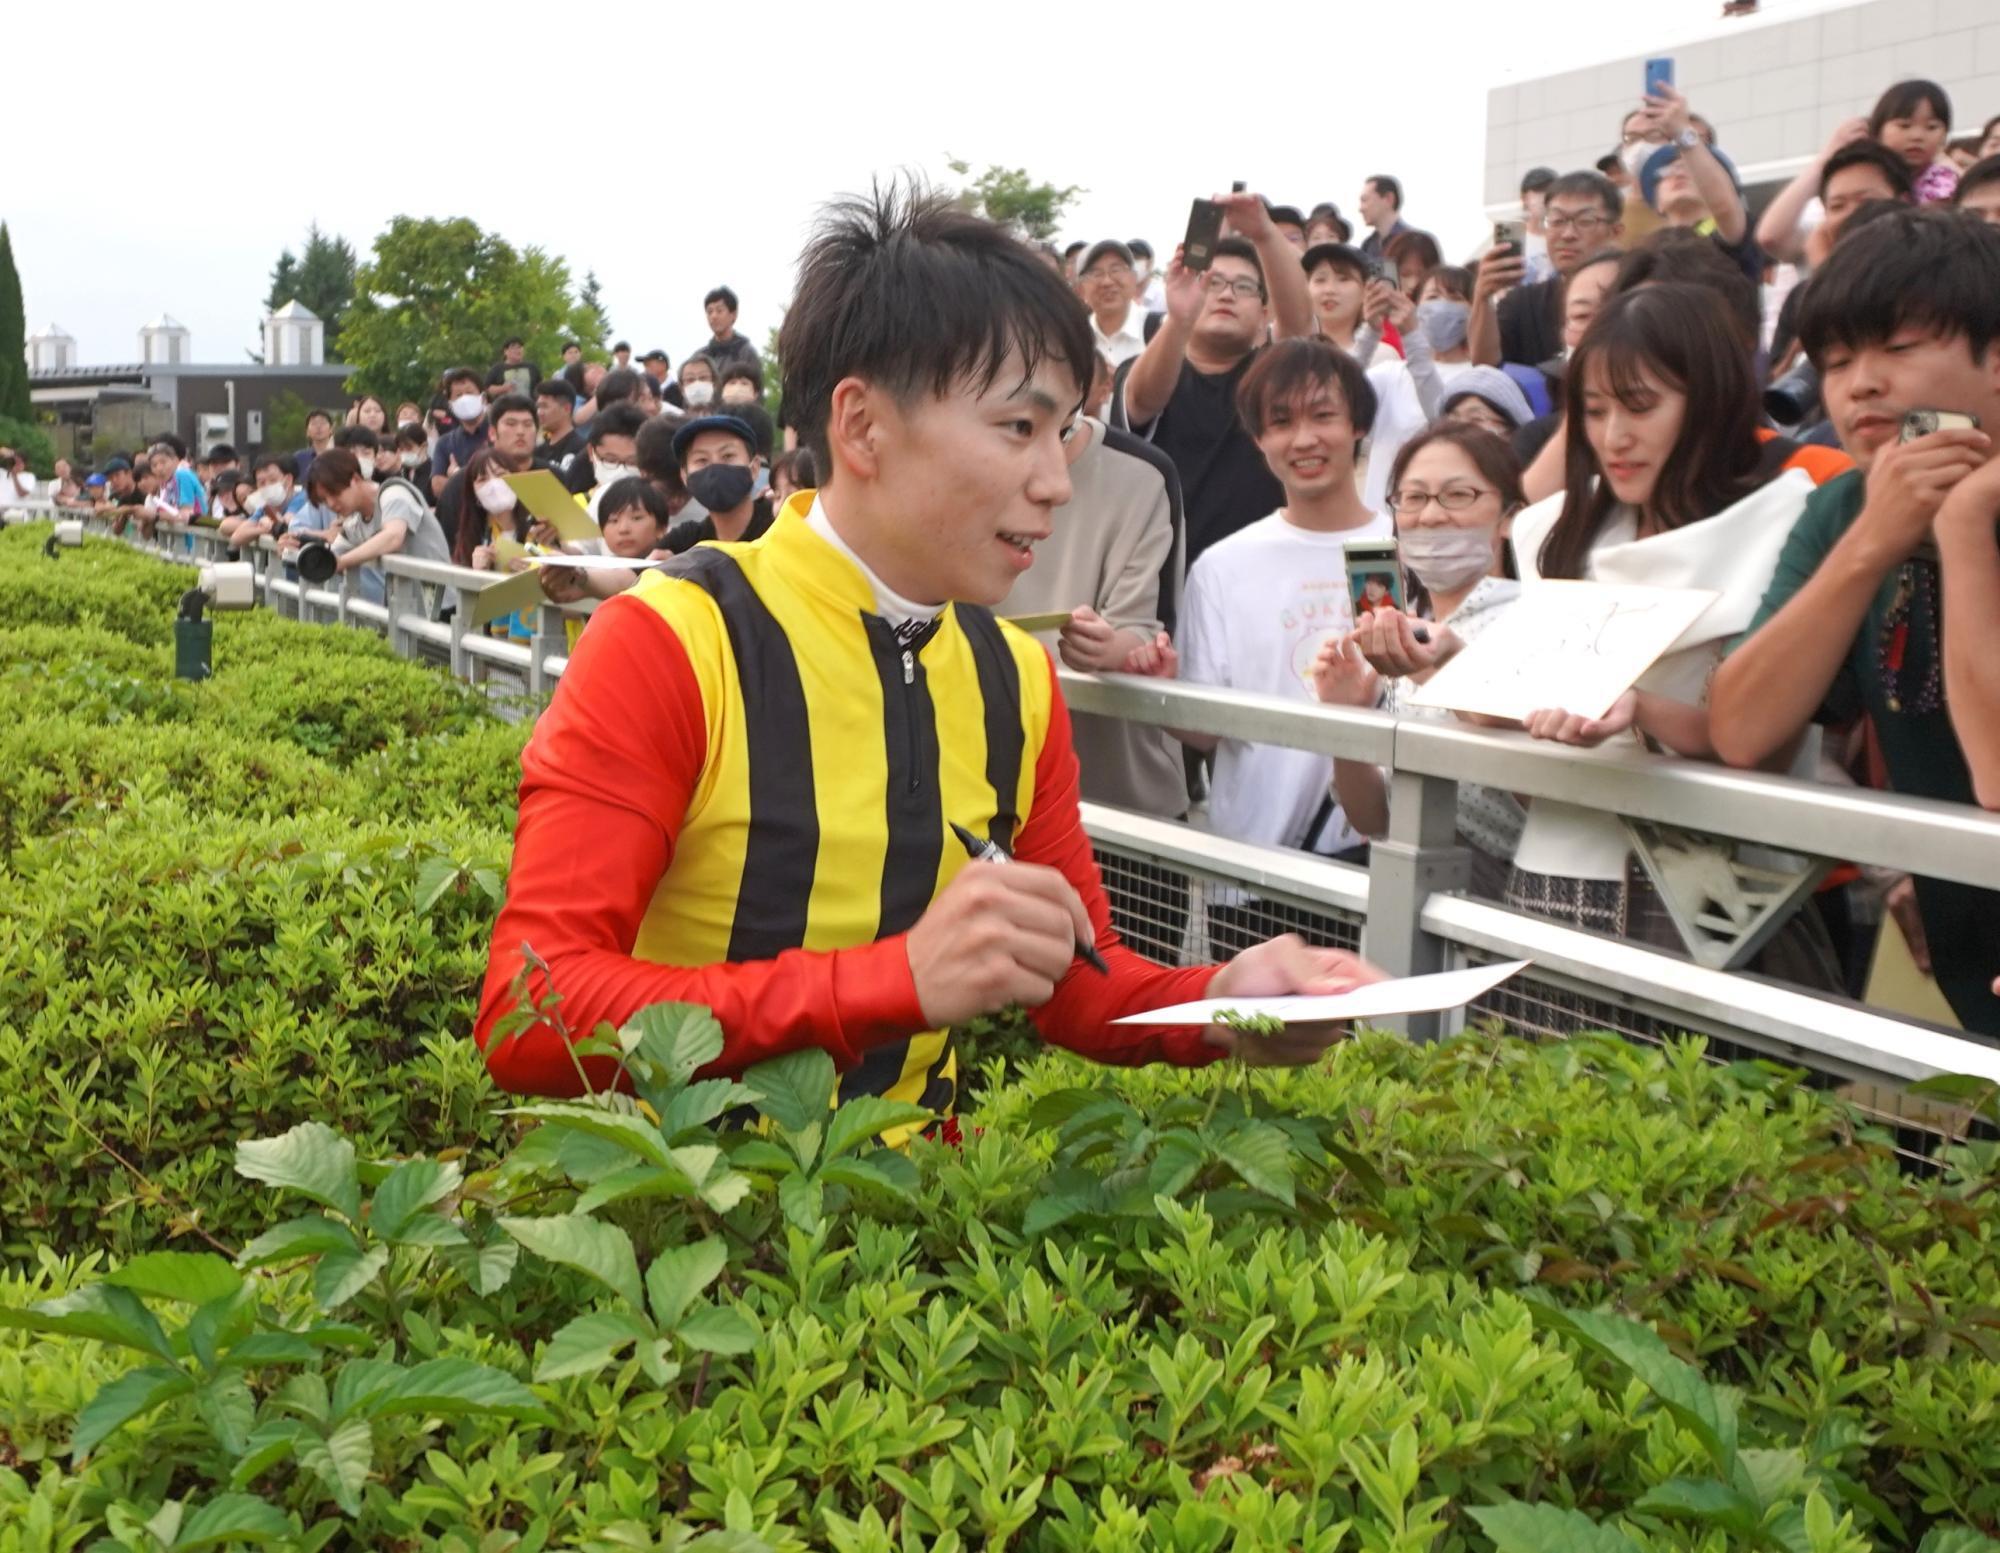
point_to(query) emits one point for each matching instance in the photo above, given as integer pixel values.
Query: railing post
(1420, 857)
(549, 637)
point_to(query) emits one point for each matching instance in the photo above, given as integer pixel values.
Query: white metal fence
(1407, 909)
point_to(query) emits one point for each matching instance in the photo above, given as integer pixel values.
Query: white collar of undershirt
(889, 604)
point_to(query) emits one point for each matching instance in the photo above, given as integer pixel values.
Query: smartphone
(1659, 72)
(1511, 235)
(1388, 274)
(1374, 576)
(1921, 423)
(1238, 186)
(1204, 231)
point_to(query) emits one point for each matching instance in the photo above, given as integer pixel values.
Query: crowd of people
(1639, 380)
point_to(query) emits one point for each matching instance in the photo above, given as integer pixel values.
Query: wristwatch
(1688, 138)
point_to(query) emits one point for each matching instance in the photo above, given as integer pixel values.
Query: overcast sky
(675, 147)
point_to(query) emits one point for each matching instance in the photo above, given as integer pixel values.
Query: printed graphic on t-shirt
(1319, 610)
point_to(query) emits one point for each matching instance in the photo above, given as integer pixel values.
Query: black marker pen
(991, 852)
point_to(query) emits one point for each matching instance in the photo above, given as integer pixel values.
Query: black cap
(1346, 257)
(1141, 249)
(1103, 246)
(113, 465)
(655, 354)
(736, 426)
(1289, 214)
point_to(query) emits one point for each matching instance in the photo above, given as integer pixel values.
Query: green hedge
(1481, 1295)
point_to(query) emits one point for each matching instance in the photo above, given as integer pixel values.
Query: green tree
(439, 294)
(323, 279)
(285, 421)
(1008, 195)
(592, 301)
(14, 403)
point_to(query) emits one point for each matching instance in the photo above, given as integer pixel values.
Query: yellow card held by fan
(546, 497)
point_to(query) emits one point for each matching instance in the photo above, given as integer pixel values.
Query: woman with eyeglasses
(1667, 484)
(1454, 489)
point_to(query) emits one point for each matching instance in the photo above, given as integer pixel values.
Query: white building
(294, 337)
(165, 342)
(50, 349)
(1773, 86)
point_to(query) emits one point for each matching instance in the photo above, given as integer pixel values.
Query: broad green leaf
(1545, 1528)
(271, 1348)
(457, 1388)
(799, 1197)
(435, 875)
(1961, 1089)
(485, 1268)
(1058, 1106)
(221, 1324)
(313, 1234)
(717, 1329)
(634, 1181)
(601, 1250)
(1362, 1171)
(678, 1275)
(1702, 1409)
(341, 1275)
(753, 1153)
(120, 1401)
(702, 1102)
(100, 1311)
(410, 1188)
(232, 1518)
(1701, 1499)
(1065, 1194)
(794, 1090)
(358, 1384)
(311, 1158)
(341, 1460)
(1956, 1539)
(195, 1277)
(588, 1343)
(227, 1408)
(863, 1117)
(634, 1134)
(1262, 1155)
(867, 1173)
(679, 1037)
(270, 1443)
(1768, 1476)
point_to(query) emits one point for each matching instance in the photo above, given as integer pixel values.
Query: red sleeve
(605, 785)
(1392, 337)
(1079, 1015)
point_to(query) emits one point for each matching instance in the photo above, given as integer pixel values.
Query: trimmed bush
(1483, 1295)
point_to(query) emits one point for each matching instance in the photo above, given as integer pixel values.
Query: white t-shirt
(1126, 341)
(1399, 416)
(1258, 605)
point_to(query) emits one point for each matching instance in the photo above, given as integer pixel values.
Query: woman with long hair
(1667, 484)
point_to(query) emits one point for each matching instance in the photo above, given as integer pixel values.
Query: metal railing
(1406, 908)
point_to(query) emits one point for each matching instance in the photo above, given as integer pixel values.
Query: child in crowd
(1913, 119)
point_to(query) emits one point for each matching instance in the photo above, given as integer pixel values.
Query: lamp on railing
(67, 534)
(224, 585)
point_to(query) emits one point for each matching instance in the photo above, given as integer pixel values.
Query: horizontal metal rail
(1428, 759)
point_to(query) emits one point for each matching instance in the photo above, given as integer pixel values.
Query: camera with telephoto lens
(1793, 399)
(316, 562)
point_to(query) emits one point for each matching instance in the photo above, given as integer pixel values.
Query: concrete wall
(1773, 89)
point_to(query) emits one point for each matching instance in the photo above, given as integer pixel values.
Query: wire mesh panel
(1185, 917)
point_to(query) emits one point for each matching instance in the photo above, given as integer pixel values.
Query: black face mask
(721, 487)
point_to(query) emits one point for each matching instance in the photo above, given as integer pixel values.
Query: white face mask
(468, 407)
(272, 495)
(698, 393)
(405, 420)
(608, 473)
(495, 495)
(1446, 559)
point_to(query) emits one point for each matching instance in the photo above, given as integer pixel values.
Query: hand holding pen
(995, 937)
(992, 852)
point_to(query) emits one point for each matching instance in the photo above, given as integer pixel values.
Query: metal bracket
(1726, 898)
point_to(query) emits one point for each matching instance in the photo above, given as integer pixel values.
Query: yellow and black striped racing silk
(837, 756)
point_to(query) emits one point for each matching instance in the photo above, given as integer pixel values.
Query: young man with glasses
(1180, 392)
(1524, 324)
